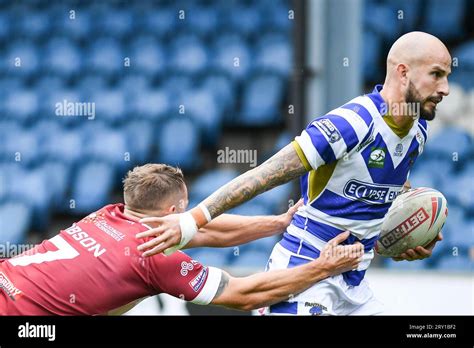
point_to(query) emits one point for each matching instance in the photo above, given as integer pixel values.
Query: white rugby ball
(414, 219)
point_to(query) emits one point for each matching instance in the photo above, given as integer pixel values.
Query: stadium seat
(110, 105)
(262, 100)
(159, 21)
(15, 220)
(140, 135)
(232, 56)
(381, 18)
(109, 145)
(105, 56)
(33, 24)
(445, 19)
(21, 104)
(32, 187)
(188, 55)
(77, 28)
(21, 146)
(58, 175)
(202, 19)
(274, 54)
(178, 142)
(22, 58)
(91, 188)
(62, 57)
(147, 56)
(202, 106)
(66, 146)
(452, 144)
(243, 19)
(224, 92)
(114, 22)
(151, 104)
(210, 181)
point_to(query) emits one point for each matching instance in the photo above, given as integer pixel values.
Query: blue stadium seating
(147, 56)
(210, 181)
(188, 54)
(91, 187)
(262, 101)
(62, 57)
(182, 150)
(232, 55)
(15, 221)
(444, 19)
(274, 54)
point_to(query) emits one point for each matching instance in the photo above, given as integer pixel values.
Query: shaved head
(418, 64)
(417, 48)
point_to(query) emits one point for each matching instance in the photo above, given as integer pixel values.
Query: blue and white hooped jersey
(358, 166)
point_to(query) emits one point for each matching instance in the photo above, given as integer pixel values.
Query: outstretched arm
(178, 229)
(263, 289)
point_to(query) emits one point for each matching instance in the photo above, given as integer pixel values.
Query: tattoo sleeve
(283, 167)
(223, 284)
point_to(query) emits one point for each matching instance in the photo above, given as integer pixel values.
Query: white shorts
(331, 296)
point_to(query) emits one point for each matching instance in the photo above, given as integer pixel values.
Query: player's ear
(402, 70)
(172, 209)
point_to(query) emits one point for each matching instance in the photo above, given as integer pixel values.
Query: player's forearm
(230, 230)
(279, 169)
(264, 289)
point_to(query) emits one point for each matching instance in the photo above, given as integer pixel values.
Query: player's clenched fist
(341, 258)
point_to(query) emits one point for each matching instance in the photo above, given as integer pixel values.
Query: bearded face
(427, 106)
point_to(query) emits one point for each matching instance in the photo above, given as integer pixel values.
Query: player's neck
(133, 215)
(395, 106)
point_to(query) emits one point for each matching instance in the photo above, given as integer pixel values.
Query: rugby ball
(414, 219)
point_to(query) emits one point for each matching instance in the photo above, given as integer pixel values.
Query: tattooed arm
(283, 167)
(264, 289)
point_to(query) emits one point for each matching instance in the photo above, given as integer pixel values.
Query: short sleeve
(325, 140)
(180, 276)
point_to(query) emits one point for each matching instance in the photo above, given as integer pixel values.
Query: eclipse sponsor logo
(371, 193)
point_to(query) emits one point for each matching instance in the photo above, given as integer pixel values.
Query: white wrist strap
(188, 230)
(205, 211)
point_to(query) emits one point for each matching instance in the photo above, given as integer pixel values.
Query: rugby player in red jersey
(94, 267)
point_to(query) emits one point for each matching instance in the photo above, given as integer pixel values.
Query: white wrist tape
(205, 211)
(188, 230)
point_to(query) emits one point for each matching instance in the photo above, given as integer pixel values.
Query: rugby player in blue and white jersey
(353, 162)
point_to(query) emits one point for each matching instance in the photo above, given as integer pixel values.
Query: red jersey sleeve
(180, 276)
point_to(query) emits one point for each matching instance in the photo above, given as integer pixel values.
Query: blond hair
(146, 187)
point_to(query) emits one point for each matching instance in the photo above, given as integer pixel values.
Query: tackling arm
(263, 289)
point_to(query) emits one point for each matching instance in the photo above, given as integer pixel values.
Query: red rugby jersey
(94, 267)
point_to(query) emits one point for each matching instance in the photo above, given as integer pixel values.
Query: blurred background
(178, 81)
